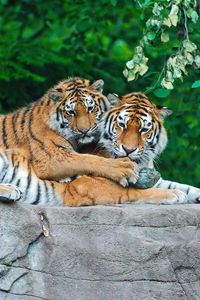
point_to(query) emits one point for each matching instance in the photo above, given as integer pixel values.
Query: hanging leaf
(167, 22)
(189, 46)
(143, 69)
(197, 61)
(177, 73)
(125, 73)
(194, 16)
(130, 64)
(151, 35)
(189, 58)
(173, 16)
(131, 75)
(169, 76)
(166, 84)
(196, 84)
(164, 37)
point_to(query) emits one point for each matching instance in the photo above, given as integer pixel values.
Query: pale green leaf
(166, 84)
(196, 84)
(151, 35)
(173, 16)
(167, 22)
(177, 73)
(172, 61)
(197, 60)
(174, 19)
(125, 72)
(189, 58)
(138, 49)
(174, 10)
(194, 16)
(130, 64)
(164, 37)
(143, 69)
(189, 46)
(144, 60)
(157, 9)
(169, 76)
(131, 75)
(136, 68)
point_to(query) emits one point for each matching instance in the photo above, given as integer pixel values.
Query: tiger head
(78, 104)
(134, 128)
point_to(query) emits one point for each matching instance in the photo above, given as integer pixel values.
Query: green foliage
(166, 15)
(44, 42)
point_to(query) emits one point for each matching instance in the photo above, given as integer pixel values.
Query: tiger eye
(71, 112)
(122, 125)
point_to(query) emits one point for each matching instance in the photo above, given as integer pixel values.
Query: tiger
(18, 174)
(135, 129)
(19, 183)
(50, 131)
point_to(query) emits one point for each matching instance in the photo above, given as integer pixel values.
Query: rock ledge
(121, 252)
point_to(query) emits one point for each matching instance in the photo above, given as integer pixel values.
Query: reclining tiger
(135, 129)
(17, 169)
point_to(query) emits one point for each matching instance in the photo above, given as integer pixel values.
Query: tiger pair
(40, 145)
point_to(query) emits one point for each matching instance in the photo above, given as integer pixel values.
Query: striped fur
(17, 170)
(20, 183)
(50, 131)
(135, 129)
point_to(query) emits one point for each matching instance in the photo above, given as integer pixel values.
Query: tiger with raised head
(50, 130)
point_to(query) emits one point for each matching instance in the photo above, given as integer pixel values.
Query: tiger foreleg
(59, 166)
(96, 190)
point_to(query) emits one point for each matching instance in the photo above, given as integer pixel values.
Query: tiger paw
(9, 192)
(123, 171)
(147, 178)
(174, 197)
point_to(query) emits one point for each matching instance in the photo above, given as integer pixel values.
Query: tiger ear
(164, 112)
(113, 99)
(54, 95)
(98, 85)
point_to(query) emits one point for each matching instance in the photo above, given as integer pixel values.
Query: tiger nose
(135, 149)
(128, 150)
(83, 130)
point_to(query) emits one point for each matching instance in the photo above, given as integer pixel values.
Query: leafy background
(42, 42)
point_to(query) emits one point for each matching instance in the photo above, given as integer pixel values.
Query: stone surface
(122, 252)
